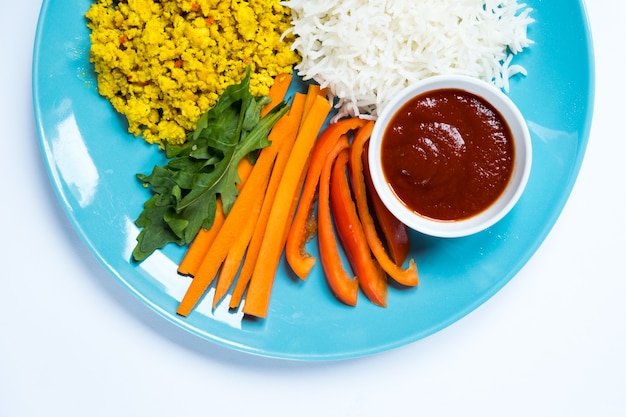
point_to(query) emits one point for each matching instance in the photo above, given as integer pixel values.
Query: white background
(73, 342)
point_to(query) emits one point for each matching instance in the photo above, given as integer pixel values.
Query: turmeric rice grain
(164, 63)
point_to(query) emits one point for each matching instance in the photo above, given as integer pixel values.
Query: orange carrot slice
(236, 252)
(293, 119)
(277, 93)
(313, 91)
(251, 196)
(287, 195)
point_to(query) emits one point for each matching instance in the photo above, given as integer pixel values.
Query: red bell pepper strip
(395, 232)
(297, 257)
(344, 287)
(405, 276)
(372, 279)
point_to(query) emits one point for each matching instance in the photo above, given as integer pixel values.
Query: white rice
(365, 51)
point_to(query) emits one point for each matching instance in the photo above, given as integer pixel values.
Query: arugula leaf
(185, 190)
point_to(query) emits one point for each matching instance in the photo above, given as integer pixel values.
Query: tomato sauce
(447, 154)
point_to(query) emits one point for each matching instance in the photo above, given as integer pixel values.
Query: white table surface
(73, 342)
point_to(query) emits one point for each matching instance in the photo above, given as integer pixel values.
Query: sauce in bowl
(447, 154)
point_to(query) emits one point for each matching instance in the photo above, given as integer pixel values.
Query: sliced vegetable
(371, 278)
(285, 133)
(247, 205)
(344, 287)
(395, 232)
(405, 276)
(287, 195)
(202, 242)
(291, 124)
(236, 253)
(300, 261)
(278, 91)
(313, 92)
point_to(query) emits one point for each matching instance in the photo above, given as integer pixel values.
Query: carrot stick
(293, 119)
(258, 219)
(262, 279)
(313, 90)
(405, 276)
(297, 108)
(251, 193)
(204, 239)
(236, 252)
(300, 261)
(370, 276)
(277, 93)
(344, 287)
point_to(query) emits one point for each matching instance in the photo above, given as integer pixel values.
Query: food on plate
(298, 258)
(194, 255)
(267, 200)
(403, 275)
(365, 52)
(186, 189)
(165, 63)
(395, 233)
(284, 205)
(337, 179)
(343, 285)
(370, 276)
(292, 123)
(206, 80)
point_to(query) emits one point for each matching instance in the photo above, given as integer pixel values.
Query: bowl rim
(519, 176)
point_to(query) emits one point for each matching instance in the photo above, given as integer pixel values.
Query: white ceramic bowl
(514, 188)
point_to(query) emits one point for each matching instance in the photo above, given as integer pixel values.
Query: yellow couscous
(164, 63)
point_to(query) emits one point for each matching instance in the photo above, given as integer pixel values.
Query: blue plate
(92, 162)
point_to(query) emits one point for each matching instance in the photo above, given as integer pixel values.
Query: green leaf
(185, 190)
